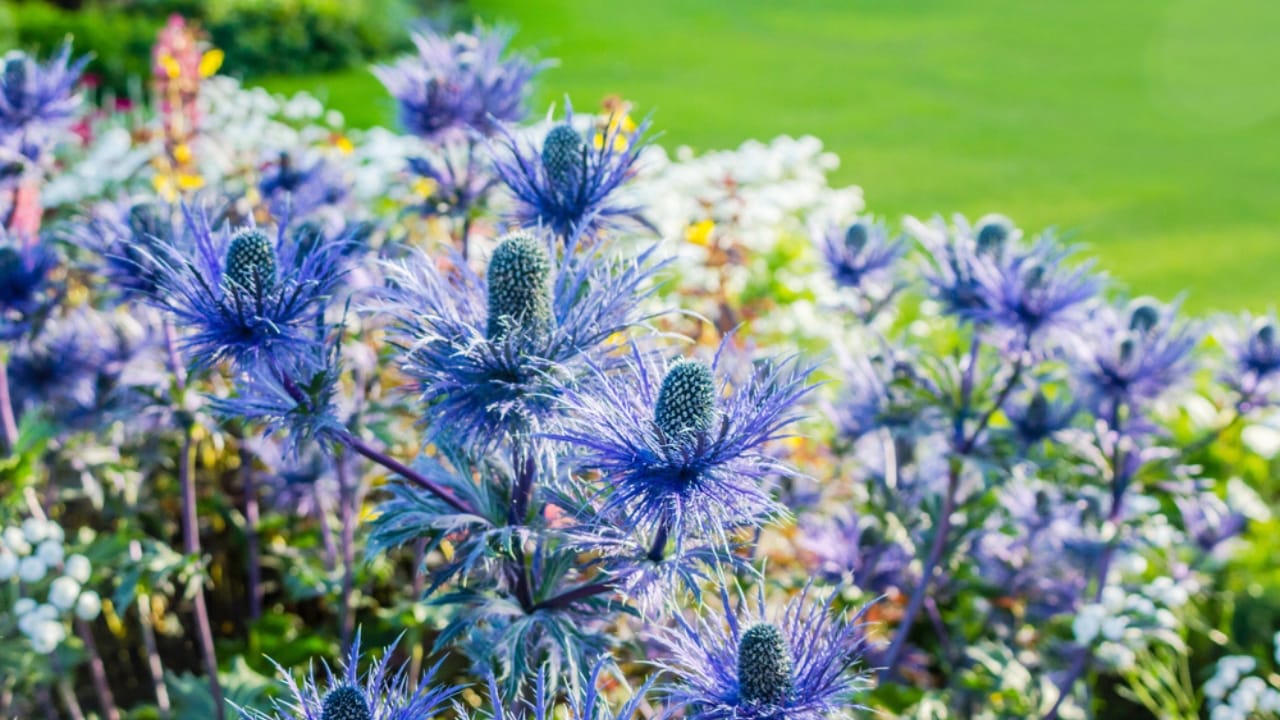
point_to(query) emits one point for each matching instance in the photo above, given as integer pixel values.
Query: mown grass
(1148, 129)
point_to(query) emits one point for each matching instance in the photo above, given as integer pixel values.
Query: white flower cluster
(1236, 694)
(1122, 623)
(35, 557)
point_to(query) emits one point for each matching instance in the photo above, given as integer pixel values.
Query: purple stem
(190, 527)
(404, 471)
(347, 498)
(251, 533)
(8, 422)
(98, 671)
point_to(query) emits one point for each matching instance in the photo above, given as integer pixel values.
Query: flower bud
(563, 155)
(686, 400)
(346, 703)
(251, 261)
(764, 666)
(519, 279)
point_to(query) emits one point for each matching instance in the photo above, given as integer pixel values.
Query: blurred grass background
(1148, 129)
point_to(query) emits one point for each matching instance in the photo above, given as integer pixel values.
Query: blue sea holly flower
(26, 286)
(746, 665)
(37, 100)
(682, 455)
(242, 294)
(489, 355)
(381, 693)
(293, 189)
(1031, 290)
(1035, 417)
(1253, 349)
(570, 183)
(1128, 356)
(459, 83)
(952, 258)
(862, 255)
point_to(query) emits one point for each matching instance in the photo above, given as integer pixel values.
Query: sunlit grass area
(1146, 129)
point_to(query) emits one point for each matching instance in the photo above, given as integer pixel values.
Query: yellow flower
(190, 181)
(210, 62)
(182, 153)
(163, 187)
(699, 233)
(425, 187)
(170, 65)
(344, 144)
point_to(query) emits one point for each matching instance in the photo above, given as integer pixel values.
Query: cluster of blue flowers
(996, 436)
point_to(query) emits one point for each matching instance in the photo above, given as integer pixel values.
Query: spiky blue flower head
(861, 255)
(880, 392)
(570, 183)
(1036, 417)
(241, 293)
(293, 188)
(26, 285)
(86, 367)
(1035, 548)
(294, 399)
(483, 353)
(1128, 356)
(953, 256)
(678, 454)
(381, 693)
(804, 664)
(854, 548)
(460, 83)
(37, 100)
(460, 178)
(1032, 290)
(1253, 349)
(126, 237)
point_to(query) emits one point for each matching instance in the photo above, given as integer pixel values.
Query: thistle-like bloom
(570, 183)
(803, 665)
(127, 236)
(242, 295)
(1030, 290)
(490, 355)
(460, 82)
(457, 181)
(293, 190)
(83, 367)
(35, 99)
(1035, 417)
(951, 270)
(1130, 356)
(379, 694)
(682, 455)
(862, 255)
(852, 548)
(295, 399)
(1254, 350)
(26, 288)
(877, 393)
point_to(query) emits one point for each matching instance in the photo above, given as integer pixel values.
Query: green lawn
(1148, 128)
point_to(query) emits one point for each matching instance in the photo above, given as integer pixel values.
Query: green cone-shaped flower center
(1037, 418)
(1144, 317)
(519, 286)
(1266, 335)
(992, 235)
(346, 703)
(562, 155)
(251, 261)
(15, 77)
(764, 666)
(687, 399)
(855, 238)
